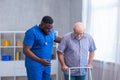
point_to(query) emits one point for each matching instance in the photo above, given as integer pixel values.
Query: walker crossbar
(89, 70)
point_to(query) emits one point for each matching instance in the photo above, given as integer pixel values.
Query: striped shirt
(76, 51)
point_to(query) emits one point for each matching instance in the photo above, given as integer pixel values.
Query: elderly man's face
(78, 30)
(78, 35)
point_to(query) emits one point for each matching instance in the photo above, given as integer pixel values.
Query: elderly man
(76, 49)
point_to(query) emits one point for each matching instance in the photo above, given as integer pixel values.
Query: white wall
(18, 15)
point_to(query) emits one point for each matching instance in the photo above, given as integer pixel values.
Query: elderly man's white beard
(78, 37)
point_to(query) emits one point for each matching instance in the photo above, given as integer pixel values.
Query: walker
(89, 71)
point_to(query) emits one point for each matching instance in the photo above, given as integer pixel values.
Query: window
(102, 24)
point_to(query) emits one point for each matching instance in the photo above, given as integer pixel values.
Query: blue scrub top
(41, 44)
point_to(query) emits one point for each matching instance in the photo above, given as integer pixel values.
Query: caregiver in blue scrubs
(38, 43)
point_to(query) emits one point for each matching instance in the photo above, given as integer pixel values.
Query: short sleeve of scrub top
(29, 38)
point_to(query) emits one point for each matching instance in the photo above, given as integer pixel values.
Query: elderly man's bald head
(78, 29)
